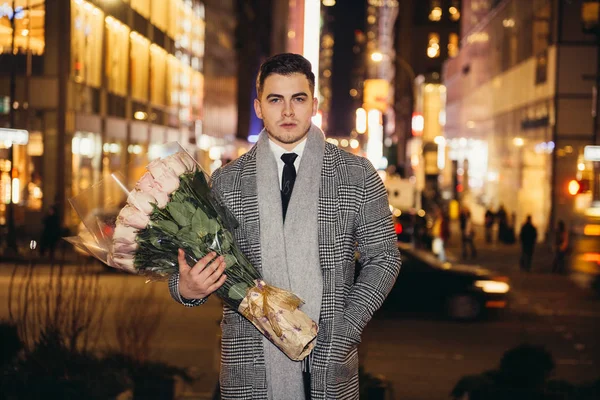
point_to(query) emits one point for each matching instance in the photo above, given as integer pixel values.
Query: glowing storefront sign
(13, 136)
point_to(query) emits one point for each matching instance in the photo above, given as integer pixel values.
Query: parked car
(456, 291)
(412, 227)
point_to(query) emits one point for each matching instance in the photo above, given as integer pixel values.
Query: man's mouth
(288, 125)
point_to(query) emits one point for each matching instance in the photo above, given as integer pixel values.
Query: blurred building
(519, 101)
(266, 28)
(427, 34)
(100, 83)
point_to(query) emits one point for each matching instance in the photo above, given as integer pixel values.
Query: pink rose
(187, 160)
(141, 200)
(145, 183)
(122, 261)
(124, 233)
(176, 165)
(125, 247)
(148, 185)
(133, 217)
(165, 178)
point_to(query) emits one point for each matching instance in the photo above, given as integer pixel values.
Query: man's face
(286, 107)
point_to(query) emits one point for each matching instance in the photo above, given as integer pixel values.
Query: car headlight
(493, 286)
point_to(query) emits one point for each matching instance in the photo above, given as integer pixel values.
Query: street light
(377, 56)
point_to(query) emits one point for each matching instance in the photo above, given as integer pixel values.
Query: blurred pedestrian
(528, 238)
(489, 225)
(468, 234)
(440, 232)
(502, 220)
(561, 247)
(51, 232)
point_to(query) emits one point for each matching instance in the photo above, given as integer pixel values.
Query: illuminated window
(433, 47)
(454, 10)
(117, 55)
(142, 7)
(29, 26)
(86, 43)
(158, 74)
(453, 45)
(435, 13)
(159, 14)
(140, 65)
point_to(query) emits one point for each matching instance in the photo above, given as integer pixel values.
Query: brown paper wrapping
(275, 313)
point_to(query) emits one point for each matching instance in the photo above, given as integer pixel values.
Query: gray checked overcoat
(353, 210)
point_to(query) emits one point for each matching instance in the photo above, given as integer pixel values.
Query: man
(303, 241)
(528, 238)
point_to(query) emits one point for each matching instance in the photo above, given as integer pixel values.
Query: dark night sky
(349, 15)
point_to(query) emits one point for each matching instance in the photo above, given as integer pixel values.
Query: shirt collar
(278, 151)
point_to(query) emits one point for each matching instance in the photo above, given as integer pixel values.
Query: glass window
(140, 66)
(142, 7)
(117, 51)
(29, 26)
(197, 93)
(454, 10)
(173, 19)
(453, 45)
(86, 148)
(158, 73)
(433, 47)
(435, 13)
(86, 43)
(159, 14)
(173, 68)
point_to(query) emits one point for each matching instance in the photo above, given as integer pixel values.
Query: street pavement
(421, 356)
(424, 357)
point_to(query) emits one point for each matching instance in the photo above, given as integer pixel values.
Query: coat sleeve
(379, 254)
(174, 290)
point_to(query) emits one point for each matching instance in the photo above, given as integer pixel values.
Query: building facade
(519, 100)
(100, 84)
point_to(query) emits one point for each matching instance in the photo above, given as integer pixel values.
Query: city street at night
(394, 199)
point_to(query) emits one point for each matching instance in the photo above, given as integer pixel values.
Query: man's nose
(288, 110)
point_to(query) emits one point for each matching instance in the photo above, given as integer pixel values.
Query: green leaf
(167, 226)
(180, 213)
(187, 236)
(213, 226)
(178, 197)
(238, 291)
(191, 208)
(225, 242)
(200, 223)
(230, 260)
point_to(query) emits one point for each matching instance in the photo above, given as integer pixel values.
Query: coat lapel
(249, 212)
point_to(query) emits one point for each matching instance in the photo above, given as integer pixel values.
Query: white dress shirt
(278, 151)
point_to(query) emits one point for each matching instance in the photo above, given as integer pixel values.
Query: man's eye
(274, 100)
(300, 99)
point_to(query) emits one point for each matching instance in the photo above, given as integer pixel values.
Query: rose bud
(133, 217)
(164, 177)
(176, 165)
(141, 200)
(124, 233)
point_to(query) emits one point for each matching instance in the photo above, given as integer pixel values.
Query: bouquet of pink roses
(172, 207)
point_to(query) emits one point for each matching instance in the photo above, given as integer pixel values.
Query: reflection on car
(456, 291)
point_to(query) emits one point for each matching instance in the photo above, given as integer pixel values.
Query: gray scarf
(290, 251)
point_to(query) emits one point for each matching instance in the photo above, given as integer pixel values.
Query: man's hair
(285, 64)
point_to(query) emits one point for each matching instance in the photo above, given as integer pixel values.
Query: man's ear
(257, 108)
(315, 106)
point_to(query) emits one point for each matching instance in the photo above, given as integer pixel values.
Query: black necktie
(287, 180)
